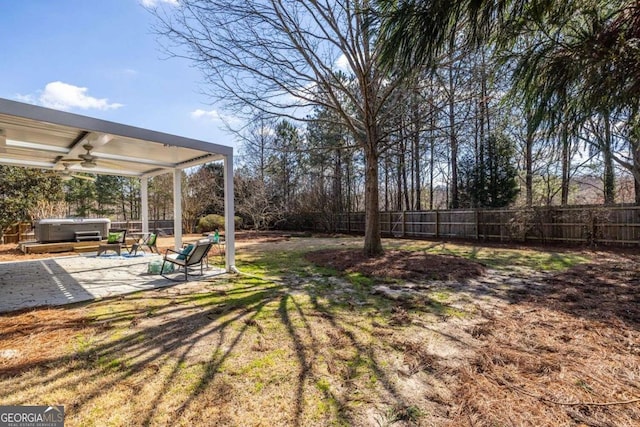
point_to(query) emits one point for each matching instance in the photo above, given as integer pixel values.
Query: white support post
(177, 207)
(144, 204)
(229, 213)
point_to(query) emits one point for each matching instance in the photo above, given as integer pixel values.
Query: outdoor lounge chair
(190, 256)
(148, 241)
(116, 240)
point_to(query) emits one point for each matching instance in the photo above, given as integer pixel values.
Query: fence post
(404, 223)
(389, 223)
(477, 215)
(437, 223)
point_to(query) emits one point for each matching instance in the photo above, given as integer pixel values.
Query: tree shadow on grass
(109, 362)
(146, 342)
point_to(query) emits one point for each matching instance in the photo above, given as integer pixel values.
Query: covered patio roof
(43, 138)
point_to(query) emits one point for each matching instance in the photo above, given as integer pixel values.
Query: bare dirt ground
(398, 264)
(541, 349)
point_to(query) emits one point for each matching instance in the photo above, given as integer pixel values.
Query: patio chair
(190, 256)
(116, 240)
(148, 241)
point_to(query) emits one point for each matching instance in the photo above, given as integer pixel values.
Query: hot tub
(64, 229)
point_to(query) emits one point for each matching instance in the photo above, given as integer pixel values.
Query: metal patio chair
(189, 257)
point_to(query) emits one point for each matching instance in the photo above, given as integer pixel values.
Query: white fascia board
(36, 146)
(156, 172)
(199, 161)
(22, 162)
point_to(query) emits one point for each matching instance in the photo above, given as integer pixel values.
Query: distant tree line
(415, 104)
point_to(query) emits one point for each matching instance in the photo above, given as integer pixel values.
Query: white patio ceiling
(43, 138)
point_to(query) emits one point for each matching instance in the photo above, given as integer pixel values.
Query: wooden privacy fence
(575, 225)
(165, 226)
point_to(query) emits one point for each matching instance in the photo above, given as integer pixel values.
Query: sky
(100, 58)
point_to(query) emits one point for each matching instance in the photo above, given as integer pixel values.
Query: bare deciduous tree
(280, 57)
(198, 193)
(255, 203)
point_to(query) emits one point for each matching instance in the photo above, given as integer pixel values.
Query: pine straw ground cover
(431, 334)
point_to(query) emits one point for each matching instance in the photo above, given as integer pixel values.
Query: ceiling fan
(67, 174)
(87, 160)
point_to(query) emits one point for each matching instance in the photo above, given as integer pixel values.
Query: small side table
(109, 247)
(140, 239)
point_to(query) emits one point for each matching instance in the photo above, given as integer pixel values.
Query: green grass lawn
(283, 343)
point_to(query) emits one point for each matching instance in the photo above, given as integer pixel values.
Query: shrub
(212, 221)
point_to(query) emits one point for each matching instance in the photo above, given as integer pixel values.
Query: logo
(31, 416)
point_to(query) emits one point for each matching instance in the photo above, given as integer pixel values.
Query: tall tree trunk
(123, 206)
(337, 186)
(262, 148)
(405, 181)
(417, 125)
(528, 162)
(453, 141)
(399, 174)
(636, 163)
(387, 166)
(432, 152)
(609, 175)
(349, 202)
(634, 145)
(566, 166)
(372, 238)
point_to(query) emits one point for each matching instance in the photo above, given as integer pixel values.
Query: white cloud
(342, 64)
(211, 115)
(64, 96)
(154, 3)
(214, 116)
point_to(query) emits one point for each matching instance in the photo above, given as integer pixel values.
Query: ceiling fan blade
(87, 178)
(88, 164)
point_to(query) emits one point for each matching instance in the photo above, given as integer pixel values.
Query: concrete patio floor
(72, 279)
